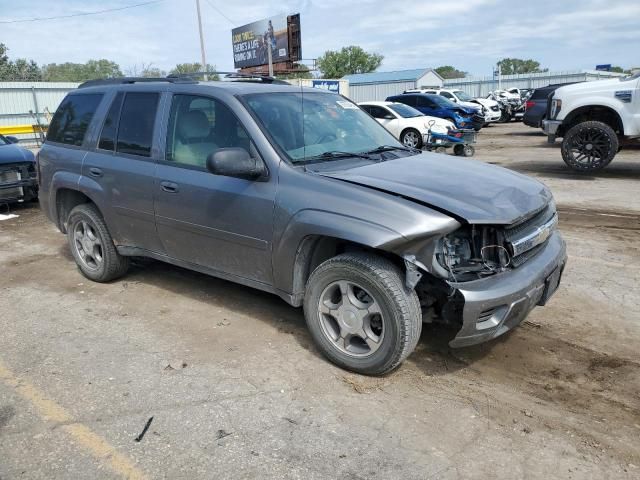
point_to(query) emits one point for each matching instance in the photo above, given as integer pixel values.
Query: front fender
(311, 222)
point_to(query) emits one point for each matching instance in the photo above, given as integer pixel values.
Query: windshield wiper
(334, 155)
(388, 148)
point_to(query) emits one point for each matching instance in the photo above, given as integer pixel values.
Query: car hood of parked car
(15, 154)
(474, 191)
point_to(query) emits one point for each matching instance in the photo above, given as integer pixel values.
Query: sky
(470, 35)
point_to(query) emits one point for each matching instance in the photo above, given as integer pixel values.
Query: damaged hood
(14, 154)
(475, 191)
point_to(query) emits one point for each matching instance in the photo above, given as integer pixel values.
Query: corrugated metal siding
(18, 98)
(481, 86)
(379, 91)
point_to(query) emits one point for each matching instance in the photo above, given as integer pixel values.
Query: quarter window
(70, 123)
(109, 129)
(200, 125)
(135, 131)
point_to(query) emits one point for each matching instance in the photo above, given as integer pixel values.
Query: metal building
(481, 86)
(379, 85)
(18, 99)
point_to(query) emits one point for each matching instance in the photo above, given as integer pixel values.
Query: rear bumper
(495, 305)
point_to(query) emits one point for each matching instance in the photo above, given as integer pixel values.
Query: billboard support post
(270, 55)
(204, 59)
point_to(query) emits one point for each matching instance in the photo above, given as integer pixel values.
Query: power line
(39, 19)
(220, 12)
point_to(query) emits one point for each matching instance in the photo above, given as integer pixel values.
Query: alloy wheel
(88, 245)
(351, 318)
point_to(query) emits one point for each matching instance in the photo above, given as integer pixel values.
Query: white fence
(481, 86)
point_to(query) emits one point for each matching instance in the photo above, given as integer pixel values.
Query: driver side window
(200, 125)
(379, 112)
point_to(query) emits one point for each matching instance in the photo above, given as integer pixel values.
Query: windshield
(308, 125)
(630, 77)
(442, 102)
(3, 141)
(463, 96)
(405, 111)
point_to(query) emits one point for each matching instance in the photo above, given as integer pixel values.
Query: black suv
(299, 192)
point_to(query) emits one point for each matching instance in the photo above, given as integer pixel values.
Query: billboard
(250, 42)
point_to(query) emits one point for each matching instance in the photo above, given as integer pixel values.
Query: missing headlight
(472, 252)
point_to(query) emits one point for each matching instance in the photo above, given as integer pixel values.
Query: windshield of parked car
(630, 77)
(3, 141)
(442, 102)
(463, 96)
(405, 111)
(315, 126)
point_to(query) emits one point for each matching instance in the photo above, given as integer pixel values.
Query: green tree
(193, 67)
(348, 60)
(80, 72)
(447, 71)
(511, 66)
(20, 69)
(617, 69)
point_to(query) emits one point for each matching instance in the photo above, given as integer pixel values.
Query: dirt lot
(237, 390)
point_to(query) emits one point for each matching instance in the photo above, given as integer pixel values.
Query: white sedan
(407, 124)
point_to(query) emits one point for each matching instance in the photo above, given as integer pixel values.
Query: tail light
(529, 104)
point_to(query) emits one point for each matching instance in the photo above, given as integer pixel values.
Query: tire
(589, 146)
(468, 151)
(392, 322)
(458, 149)
(411, 138)
(92, 246)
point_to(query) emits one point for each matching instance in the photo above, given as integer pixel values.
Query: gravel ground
(237, 390)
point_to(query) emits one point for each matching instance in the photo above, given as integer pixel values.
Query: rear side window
(424, 102)
(109, 129)
(406, 99)
(70, 123)
(137, 119)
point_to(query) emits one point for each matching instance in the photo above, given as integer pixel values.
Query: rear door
(222, 223)
(121, 166)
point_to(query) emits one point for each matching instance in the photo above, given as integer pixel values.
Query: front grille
(516, 233)
(10, 176)
(486, 315)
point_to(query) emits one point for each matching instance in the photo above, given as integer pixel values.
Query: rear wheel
(360, 313)
(411, 138)
(92, 246)
(464, 150)
(589, 146)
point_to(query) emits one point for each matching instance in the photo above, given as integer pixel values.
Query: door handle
(95, 172)
(169, 187)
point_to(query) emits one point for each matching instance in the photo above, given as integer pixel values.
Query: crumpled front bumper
(497, 304)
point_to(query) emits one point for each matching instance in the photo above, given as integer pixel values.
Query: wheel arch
(314, 236)
(600, 113)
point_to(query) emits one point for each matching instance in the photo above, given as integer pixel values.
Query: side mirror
(12, 139)
(388, 116)
(235, 162)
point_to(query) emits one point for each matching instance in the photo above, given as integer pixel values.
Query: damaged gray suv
(300, 193)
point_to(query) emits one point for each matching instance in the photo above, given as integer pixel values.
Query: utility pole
(204, 58)
(270, 56)
(499, 76)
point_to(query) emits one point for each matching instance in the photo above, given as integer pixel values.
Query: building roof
(388, 77)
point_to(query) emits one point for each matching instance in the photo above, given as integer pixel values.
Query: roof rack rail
(131, 80)
(239, 77)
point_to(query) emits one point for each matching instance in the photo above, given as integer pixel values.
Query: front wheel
(361, 314)
(464, 150)
(92, 246)
(411, 138)
(589, 146)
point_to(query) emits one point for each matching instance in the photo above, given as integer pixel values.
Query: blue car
(18, 181)
(438, 106)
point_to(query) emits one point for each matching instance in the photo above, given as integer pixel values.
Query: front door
(222, 223)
